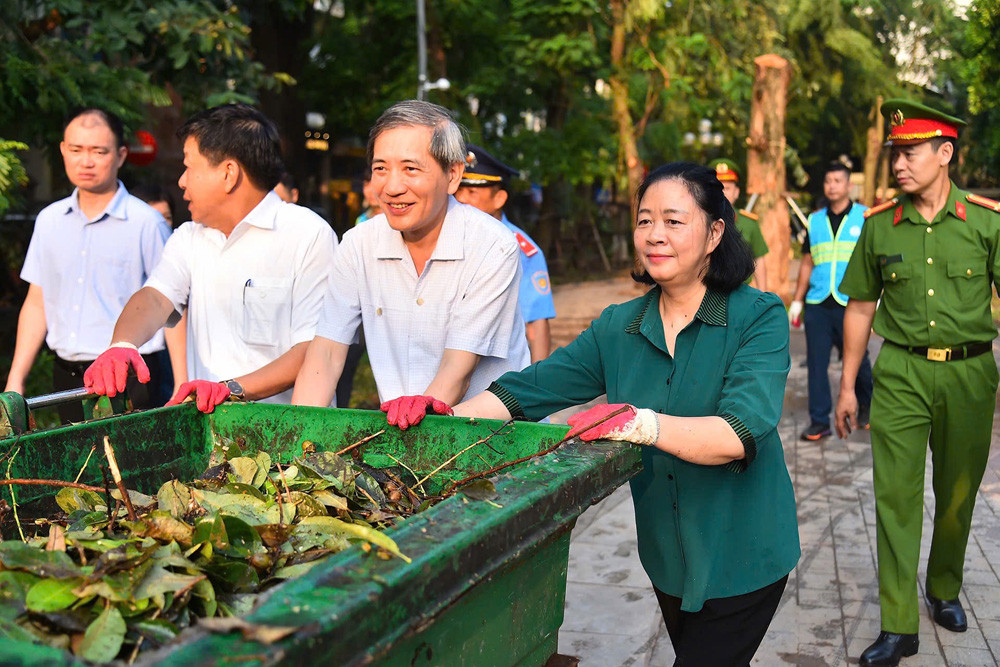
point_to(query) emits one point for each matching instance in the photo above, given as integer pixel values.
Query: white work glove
(795, 313)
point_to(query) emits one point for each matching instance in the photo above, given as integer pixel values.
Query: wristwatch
(235, 390)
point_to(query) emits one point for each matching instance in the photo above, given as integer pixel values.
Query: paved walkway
(829, 612)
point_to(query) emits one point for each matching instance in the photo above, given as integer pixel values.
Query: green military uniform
(704, 532)
(746, 222)
(934, 278)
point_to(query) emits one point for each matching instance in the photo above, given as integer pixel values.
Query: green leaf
(480, 489)
(175, 498)
(332, 468)
(306, 505)
(104, 637)
(366, 533)
(263, 460)
(162, 526)
(14, 587)
(158, 630)
(52, 594)
(21, 556)
(244, 469)
(243, 541)
(70, 499)
(159, 580)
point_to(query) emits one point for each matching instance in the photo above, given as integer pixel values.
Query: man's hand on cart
(109, 372)
(635, 425)
(206, 394)
(407, 411)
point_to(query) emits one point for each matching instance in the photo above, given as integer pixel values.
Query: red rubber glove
(209, 394)
(633, 425)
(407, 411)
(109, 372)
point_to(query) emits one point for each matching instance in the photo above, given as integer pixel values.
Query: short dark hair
(938, 142)
(113, 122)
(151, 193)
(242, 133)
(732, 262)
(287, 180)
(837, 166)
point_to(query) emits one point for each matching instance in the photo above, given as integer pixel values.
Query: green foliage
(12, 174)
(981, 71)
(121, 55)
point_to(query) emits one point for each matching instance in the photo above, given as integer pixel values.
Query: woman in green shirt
(699, 363)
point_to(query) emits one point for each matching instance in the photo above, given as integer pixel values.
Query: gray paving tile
(596, 650)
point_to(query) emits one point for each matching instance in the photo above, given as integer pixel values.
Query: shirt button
(930, 292)
(420, 302)
(932, 323)
(76, 307)
(79, 280)
(930, 260)
(893, 275)
(670, 476)
(83, 252)
(929, 230)
(72, 335)
(968, 272)
(378, 311)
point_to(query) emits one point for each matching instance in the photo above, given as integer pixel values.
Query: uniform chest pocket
(968, 280)
(267, 305)
(894, 273)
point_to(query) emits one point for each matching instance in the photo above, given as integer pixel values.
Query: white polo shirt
(89, 269)
(465, 299)
(252, 296)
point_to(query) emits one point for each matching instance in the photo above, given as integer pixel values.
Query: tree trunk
(556, 192)
(882, 192)
(628, 152)
(874, 150)
(766, 165)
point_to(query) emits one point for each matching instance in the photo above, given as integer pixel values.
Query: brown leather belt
(953, 353)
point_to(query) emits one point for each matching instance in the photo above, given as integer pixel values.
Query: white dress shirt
(88, 269)
(465, 299)
(251, 296)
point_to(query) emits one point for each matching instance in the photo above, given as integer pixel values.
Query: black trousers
(69, 375)
(726, 632)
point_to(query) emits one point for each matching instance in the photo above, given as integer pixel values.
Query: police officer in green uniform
(931, 256)
(746, 222)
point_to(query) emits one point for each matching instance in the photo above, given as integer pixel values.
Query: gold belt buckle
(939, 353)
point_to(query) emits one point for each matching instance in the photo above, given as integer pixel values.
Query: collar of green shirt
(910, 213)
(713, 311)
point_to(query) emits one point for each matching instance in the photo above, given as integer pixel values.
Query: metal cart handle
(57, 398)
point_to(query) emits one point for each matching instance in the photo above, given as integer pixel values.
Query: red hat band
(915, 130)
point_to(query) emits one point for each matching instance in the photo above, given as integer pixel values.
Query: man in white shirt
(89, 252)
(250, 269)
(433, 281)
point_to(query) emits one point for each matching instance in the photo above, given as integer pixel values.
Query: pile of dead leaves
(103, 587)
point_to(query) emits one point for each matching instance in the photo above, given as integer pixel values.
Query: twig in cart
(477, 442)
(360, 442)
(116, 474)
(502, 466)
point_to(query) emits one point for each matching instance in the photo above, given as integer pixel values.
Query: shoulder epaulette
(985, 202)
(752, 216)
(884, 206)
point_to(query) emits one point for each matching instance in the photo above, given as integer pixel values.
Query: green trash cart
(487, 581)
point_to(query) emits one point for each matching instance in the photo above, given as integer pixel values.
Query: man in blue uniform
(484, 185)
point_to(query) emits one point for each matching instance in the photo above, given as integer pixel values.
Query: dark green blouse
(704, 531)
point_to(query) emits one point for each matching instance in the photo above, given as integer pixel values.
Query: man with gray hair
(433, 281)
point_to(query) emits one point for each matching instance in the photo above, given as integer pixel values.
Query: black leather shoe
(948, 614)
(889, 648)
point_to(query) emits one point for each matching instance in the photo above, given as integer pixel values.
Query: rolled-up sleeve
(753, 390)
(483, 321)
(571, 375)
(171, 276)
